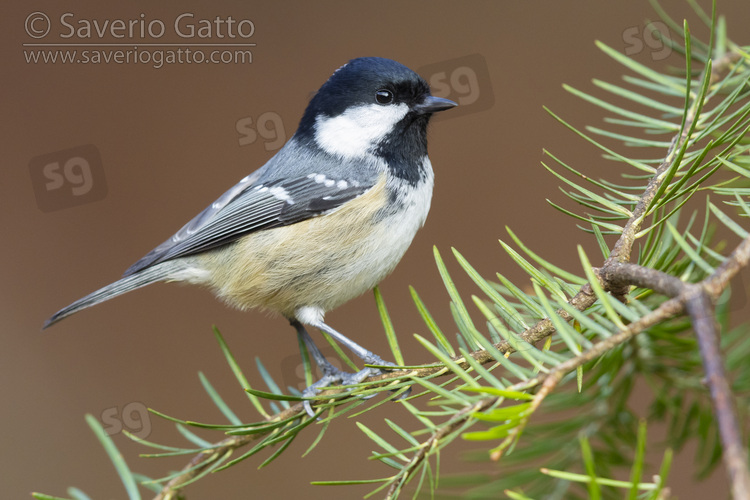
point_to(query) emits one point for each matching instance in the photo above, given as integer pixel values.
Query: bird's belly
(321, 262)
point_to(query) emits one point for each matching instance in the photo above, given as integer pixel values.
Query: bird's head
(371, 105)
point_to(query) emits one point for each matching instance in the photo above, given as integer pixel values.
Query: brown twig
(700, 309)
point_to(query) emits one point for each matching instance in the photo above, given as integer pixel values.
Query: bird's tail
(159, 272)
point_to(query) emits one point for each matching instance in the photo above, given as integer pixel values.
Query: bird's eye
(384, 96)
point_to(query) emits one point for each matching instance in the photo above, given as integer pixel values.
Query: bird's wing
(254, 204)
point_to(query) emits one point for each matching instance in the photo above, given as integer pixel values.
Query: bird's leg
(368, 357)
(331, 374)
(325, 366)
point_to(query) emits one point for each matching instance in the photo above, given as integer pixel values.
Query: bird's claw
(333, 375)
(403, 395)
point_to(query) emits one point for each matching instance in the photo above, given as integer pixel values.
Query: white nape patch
(281, 194)
(354, 132)
(309, 315)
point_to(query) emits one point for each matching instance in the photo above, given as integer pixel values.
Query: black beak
(432, 104)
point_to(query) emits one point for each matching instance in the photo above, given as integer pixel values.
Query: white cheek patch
(352, 133)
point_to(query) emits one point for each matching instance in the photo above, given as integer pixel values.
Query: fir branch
(696, 299)
(606, 327)
(616, 276)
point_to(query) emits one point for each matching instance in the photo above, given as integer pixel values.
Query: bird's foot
(333, 375)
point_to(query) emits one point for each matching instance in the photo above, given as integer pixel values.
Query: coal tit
(324, 220)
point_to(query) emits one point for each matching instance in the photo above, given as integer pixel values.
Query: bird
(323, 221)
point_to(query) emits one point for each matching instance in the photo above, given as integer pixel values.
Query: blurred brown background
(172, 139)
